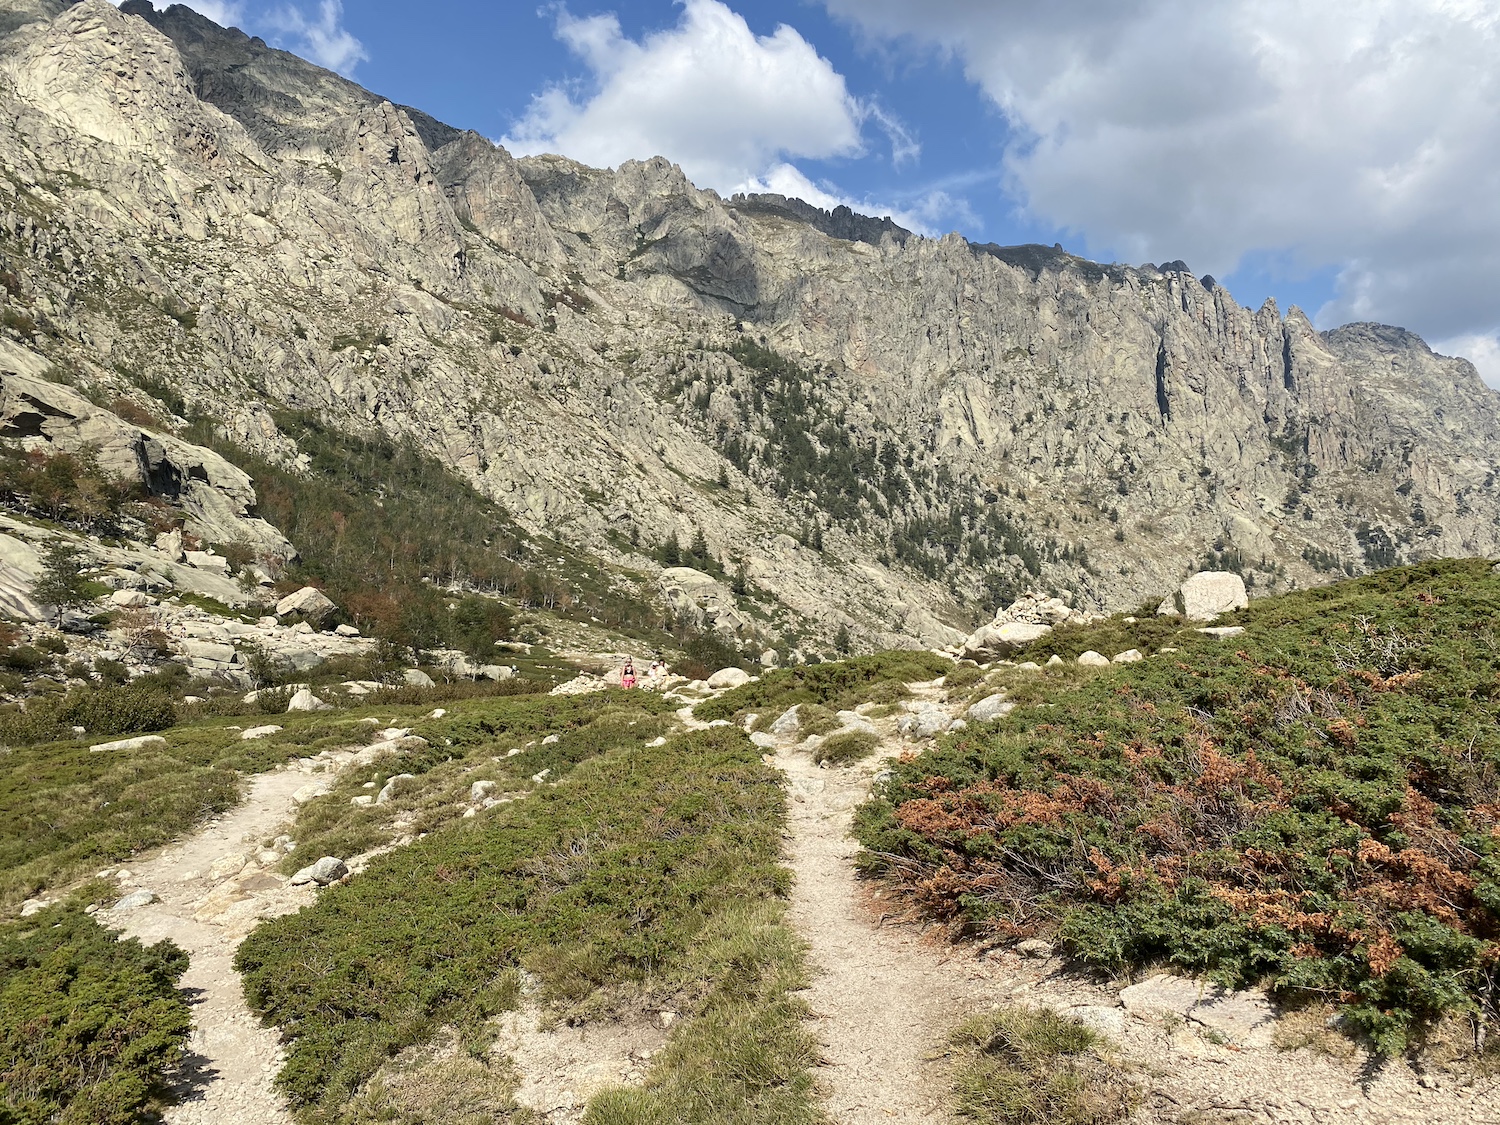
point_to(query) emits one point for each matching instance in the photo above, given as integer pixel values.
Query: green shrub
(850, 747)
(121, 709)
(659, 893)
(1311, 804)
(90, 1023)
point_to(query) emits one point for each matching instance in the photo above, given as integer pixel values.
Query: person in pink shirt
(627, 674)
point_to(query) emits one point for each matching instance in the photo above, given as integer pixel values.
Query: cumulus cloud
(1362, 134)
(728, 105)
(322, 38)
(709, 94)
(1482, 349)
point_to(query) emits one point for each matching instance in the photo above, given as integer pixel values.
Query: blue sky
(1343, 157)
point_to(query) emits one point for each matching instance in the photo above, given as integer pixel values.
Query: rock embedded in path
(134, 900)
(329, 869)
(1092, 659)
(139, 743)
(1206, 595)
(763, 740)
(728, 678)
(788, 724)
(927, 721)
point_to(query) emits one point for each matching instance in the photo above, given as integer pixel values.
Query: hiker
(627, 674)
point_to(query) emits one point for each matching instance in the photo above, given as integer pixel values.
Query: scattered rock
(480, 790)
(345, 631)
(415, 677)
(927, 721)
(388, 790)
(139, 743)
(1129, 656)
(228, 865)
(552, 740)
(1206, 595)
(1054, 661)
(541, 778)
(1092, 659)
(1028, 619)
(1222, 631)
(990, 707)
(35, 906)
(1033, 666)
(329, 869)
(728, 678)
(763, 740)
(258, 732)
(130, 599)
(1034, 947)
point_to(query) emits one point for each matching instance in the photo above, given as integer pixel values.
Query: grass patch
(89, 1022)
(650, 872)
(840, 685)
(843, 748)
(1030, 1066)
(1314, 804)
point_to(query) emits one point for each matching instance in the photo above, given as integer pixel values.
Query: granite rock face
(182, 206)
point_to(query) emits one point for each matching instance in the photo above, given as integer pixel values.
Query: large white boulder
(728, 678)
(1206, 595)
(309, 601)
(305, 700)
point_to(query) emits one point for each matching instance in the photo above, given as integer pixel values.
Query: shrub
(849, 747)
(90, 1023)
(1312, 805)
(125, 709)
(842, 684)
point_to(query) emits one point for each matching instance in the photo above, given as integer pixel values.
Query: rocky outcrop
(1206, 595)
(884, 432)
(1029, 618)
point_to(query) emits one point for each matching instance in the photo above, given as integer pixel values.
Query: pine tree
(671, 551)
(62, 582)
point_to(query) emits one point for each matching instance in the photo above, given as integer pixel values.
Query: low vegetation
(89, 1022)
(881, 678)
(1031, 1066)
(840, 749)
(1314, 804)
(672, 899)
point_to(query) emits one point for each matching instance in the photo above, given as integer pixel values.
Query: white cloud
(726, 104)
(225, 13)
(322, 39)
(1362, 134)
(1482, 349)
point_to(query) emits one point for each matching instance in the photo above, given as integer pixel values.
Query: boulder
(258, 732)
(763, 740)
(415, 677)
(480, 790)
(990, 707)
(305, 700)
(345, 631)
(1129, 656)
(702, 598)
(138, 743)
(312, 791)
(927, 721)
(388, 790)
(1206, 595)
(788, 724)
(1223, 632)
(728, 678)
(1092, 659)
(329, 869)
(207, 560)
(226, 866)
(130, 599)
(1029, 618)
(134, 900)
(309, 601)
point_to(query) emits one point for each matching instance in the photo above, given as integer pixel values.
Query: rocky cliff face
(880, 429)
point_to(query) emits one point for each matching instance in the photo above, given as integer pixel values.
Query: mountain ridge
(619, 357)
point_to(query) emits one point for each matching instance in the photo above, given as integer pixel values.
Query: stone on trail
(225, 866)
(329, 869)
(134, 900)
(1206, 595)
(728, 678)
(139, 743)
(312, 791)
(926, 721)
(763, 740)
(990, 707)
(788, 724)
(305, 700)
(1092, 659)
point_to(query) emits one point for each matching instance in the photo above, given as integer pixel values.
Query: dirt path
(886, 996)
